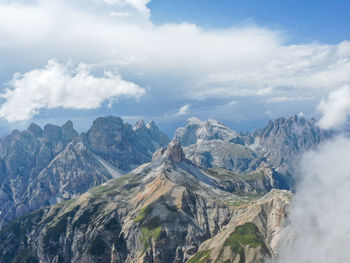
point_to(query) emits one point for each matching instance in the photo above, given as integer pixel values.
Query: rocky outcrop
(174, 152)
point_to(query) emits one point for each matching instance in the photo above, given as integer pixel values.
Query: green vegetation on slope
(148, 234)
(143, 213)
(245, 235)
(201, 257)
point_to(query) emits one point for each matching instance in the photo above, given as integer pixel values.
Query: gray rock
(40, 167)
(164, 211)
(196, 130)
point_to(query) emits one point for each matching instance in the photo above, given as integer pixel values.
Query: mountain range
(40, 167)
(118, 193)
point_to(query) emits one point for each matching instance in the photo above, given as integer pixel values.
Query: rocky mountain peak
(53, 132)
(140, 125)
(108, 122)
(203, 130)
(284, 139)
(68, 125)
(174, 151)
(68, 132)
(35, 129)
(152, 125)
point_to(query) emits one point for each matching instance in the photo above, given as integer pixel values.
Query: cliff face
(23, 155)
(39, 167)
(168, 210)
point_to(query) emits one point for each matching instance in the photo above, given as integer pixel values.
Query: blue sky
(303, 21)
(240, 62)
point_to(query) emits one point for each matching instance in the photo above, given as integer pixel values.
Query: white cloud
(287, 99)
(183, 61)
(140, 5)
(182, 111)
(320, 210)
(335, 108)
(58, 85)
(269, 113)
(119, 14)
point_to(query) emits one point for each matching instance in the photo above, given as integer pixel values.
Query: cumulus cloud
(182, 111)
(320, 211)
(335, 108)
(57, 85)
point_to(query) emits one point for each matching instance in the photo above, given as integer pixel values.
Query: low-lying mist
(320, 210)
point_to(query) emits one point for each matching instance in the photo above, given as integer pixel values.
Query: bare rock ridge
(39, 166)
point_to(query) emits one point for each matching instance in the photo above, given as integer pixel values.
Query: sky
(239, 62)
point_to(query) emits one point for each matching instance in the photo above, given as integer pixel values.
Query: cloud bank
(320, 211)
(335, 108)
(178, 62)
(58, 85)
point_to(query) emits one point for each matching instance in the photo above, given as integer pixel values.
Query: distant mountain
(197, 130)
(279, 144)
(212, 144)
(41, 167)
(284, 140)
(168, 210)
